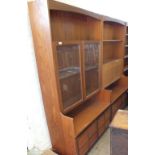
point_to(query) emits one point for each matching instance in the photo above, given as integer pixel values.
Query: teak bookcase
(80, 59)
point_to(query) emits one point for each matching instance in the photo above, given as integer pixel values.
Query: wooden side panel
(39, 18)
(69, 136)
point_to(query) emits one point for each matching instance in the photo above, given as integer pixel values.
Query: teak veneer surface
(54, 23)
(83, 118)
(118, 91)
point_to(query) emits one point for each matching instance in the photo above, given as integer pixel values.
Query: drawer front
(101, 130)
(83, 150)
(92, 129)
(87, 134)
(116, 105)
(82, 139)
(107, 114)
(93, 139)
(101, 121)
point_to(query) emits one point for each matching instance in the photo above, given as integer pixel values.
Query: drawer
(87, 134)
(101, 130)
(101, 121)
(116, 105)
(92, 129)
(93, 139)
(82, 139)
(107, 114)
(83, 150)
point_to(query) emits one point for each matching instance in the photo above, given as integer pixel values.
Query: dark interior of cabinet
(126, 62)
(67, 26)
(126, 40)
(68, 58)
(126, 50)
(91, 55)
(113, 85)
(127, 30)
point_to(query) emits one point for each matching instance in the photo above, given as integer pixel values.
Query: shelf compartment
(113, 31)
(112, 51)
(111, 72)
(88, 112)
(118, 88)
(68, 26)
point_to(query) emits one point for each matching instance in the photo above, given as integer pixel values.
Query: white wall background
(38, 135)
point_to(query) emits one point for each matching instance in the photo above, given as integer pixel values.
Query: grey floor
(102, 147)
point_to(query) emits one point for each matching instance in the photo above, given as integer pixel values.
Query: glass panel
(91, 67)
(69, 74)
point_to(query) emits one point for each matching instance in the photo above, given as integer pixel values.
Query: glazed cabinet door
(91, 67)
(69, 74)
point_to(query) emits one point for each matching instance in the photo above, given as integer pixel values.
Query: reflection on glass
(91, 67)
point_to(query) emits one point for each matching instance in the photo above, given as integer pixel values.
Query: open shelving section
(117, 88)
(80, 58)
(126, 53)
(115, 61)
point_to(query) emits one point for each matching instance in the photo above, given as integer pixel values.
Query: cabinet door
(91, 67)
(69, 68)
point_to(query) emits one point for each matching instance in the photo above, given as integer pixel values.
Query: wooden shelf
(109, 60)
(91, 68)
(117, 91)
(83, 118)
(68, 72)
(126, 68)
(112, 41)
(118, 88)
(126, 56)
(111, 82)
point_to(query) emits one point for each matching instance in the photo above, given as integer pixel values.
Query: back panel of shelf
(112, 51)
(68, 26)
(113, 31)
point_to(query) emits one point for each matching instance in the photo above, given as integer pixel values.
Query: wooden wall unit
(80, 64)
